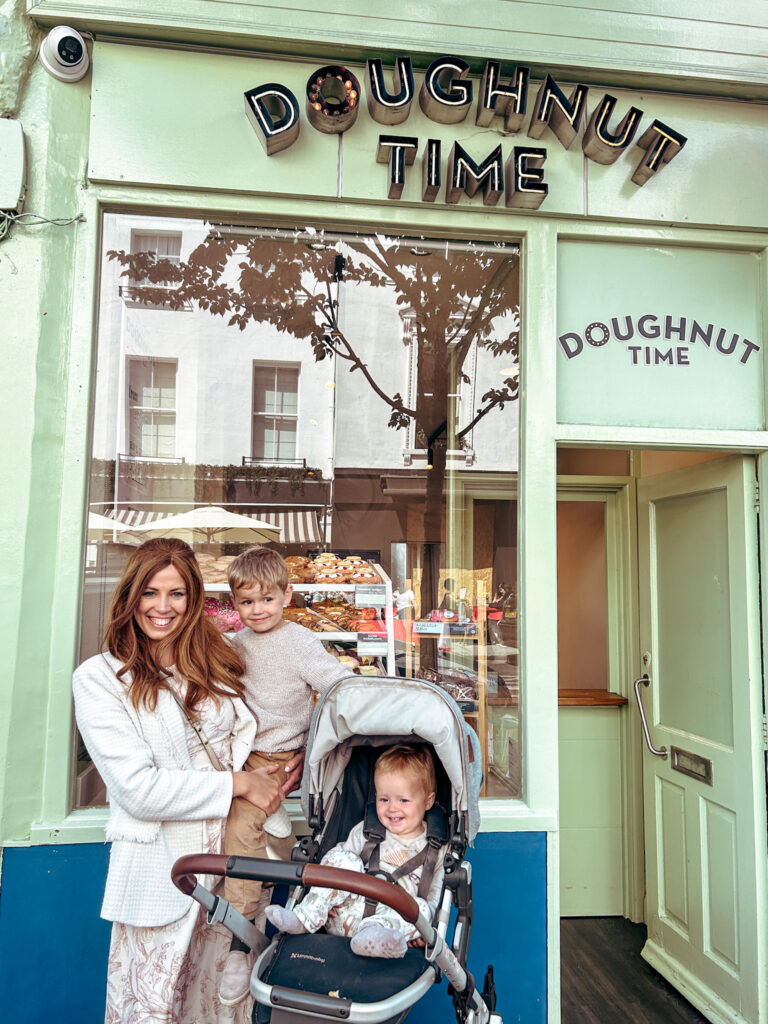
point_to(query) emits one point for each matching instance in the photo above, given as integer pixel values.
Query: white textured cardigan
(158, 802)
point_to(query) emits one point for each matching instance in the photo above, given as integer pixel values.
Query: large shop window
(358, 392)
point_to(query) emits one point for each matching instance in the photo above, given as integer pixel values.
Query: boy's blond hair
(415, 761)
(258, 566)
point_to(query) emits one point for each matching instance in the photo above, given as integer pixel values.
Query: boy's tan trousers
(245, 837)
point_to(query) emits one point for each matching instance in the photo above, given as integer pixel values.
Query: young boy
(284, 665)
(404, 778)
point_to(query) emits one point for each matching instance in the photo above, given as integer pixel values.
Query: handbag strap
(197, 726)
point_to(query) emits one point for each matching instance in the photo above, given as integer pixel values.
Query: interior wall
(592, 462)
(582, 598)
(653, 462)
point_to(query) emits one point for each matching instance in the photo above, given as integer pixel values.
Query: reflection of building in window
(164, 246)
(275, 411)
(152, 408)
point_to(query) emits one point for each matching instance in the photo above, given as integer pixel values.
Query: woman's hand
(293, 768)
(259, 788)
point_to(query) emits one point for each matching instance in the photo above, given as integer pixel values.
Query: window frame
(160, 410)
(276, 459)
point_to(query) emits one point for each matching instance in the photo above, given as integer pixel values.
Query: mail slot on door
(692, 764)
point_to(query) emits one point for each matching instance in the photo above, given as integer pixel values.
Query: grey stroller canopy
(365, 710)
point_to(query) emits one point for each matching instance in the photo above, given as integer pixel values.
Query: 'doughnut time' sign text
(332, 102)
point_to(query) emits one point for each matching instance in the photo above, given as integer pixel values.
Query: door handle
(646, 681)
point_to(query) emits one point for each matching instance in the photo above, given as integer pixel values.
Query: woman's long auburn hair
(210, 666)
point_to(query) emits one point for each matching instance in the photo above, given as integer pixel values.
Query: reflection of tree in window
(453, 297)
(275, 411)
(152, 408)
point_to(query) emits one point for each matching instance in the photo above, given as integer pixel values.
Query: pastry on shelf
(311, 620)
(365, 576)
(221, 611)
(330, 576)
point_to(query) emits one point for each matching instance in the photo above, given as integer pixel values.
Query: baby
(404, 778)
(285, 664)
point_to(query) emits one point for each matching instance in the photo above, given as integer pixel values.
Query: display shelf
(350, 588)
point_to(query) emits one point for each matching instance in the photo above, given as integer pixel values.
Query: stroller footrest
(310, 1002)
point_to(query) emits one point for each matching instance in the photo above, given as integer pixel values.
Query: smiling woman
(166, 670)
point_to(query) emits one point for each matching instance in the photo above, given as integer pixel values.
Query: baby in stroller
(404, 780)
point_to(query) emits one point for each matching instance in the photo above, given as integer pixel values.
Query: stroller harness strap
(426, 859)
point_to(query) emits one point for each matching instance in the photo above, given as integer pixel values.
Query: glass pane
(164, 385)
(401, 474)
(260, 442)
(287, 390)
(286, 439)
(694, 615)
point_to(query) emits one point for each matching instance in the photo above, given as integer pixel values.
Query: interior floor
(605, 980)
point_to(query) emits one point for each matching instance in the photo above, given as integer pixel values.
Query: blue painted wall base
(53, 945)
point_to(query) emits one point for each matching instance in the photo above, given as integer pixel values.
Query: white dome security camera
(64, 55)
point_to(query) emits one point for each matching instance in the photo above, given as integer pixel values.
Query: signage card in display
(371, 645)
(370, 595)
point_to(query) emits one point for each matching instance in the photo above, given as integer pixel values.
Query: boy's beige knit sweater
(282, 669)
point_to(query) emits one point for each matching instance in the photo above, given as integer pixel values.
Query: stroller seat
(325, 965)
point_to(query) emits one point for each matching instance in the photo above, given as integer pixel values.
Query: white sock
(279, 824)
(377, 940)
(285, 920)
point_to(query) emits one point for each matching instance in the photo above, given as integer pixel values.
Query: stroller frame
(297, 1005)
(437, 951)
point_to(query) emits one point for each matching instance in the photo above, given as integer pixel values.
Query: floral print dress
(170, 974)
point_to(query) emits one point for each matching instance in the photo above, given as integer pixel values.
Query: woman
(164, 664)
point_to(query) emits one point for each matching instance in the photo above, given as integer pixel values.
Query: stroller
(317, 977)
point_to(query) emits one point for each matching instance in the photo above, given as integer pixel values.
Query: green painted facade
(160, 127)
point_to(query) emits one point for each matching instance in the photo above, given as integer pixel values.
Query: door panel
(705, 843)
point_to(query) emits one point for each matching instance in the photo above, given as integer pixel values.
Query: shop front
(478, 347)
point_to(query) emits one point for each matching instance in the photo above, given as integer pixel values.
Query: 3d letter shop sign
(332, 102)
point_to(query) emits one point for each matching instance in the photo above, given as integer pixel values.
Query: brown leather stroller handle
(254, 868)
(364, 885)
(184, 870)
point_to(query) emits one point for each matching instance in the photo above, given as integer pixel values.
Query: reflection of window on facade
(152, 407)
(275, 411)
(164, 246)
(464, 393)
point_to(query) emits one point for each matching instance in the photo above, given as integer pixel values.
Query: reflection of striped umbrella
(103, 528)
(211, 523)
